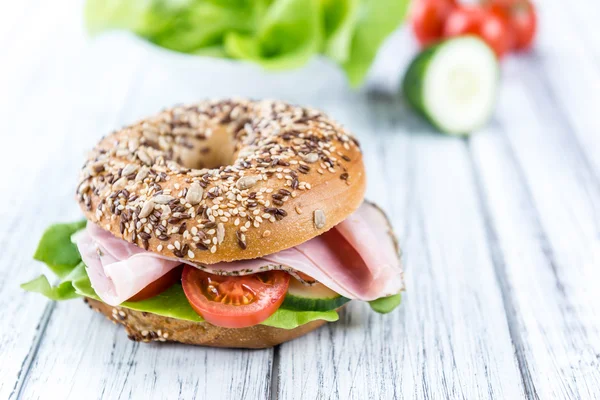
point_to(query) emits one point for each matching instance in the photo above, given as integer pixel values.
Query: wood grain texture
(501, 232)
(566, 76)
(453, 323)
(546, 234)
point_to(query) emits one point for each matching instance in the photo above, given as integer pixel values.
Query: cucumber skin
(296, 303)
(412, 84)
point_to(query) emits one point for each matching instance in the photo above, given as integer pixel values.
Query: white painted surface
(501, 232)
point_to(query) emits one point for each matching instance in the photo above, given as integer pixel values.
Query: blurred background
(93, 66)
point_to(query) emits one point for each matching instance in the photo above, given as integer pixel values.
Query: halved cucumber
(317, 297)
(454, 84)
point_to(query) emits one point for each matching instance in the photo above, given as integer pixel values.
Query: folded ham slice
(358, 259)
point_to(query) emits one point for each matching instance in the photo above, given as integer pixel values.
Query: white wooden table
(500, 231)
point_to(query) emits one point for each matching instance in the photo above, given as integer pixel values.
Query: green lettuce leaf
(288, 35)
(147, 18)
(62, 257)
(205, 24)
(173, 303)
(290, 319)
(385, 305)
(276, 34)
(56, 249)
(64, 290)
(339, 18)
(377, 19)
(170, 303)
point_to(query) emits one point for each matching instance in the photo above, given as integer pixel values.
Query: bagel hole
(213, 151)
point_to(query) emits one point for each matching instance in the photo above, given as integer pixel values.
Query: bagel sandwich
(229, 223)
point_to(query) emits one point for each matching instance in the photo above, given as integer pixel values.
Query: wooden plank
(546, 233)
(564, 73)
(450, 339)
(56, 146)
(99, 361)
(582, 19)
(126, 369)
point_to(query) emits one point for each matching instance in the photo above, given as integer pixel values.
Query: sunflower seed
(220, 233)
(150, 135)
(311, 158)
(246, 182)
(163, 199)
(84, 187)
(129, 169)
(142, 174)
(147, 208)
(133, 144)
(319, 219)
(194, 194)
(144, 157)
(120, 183)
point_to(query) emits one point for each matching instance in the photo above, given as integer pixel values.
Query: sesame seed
(138, 185)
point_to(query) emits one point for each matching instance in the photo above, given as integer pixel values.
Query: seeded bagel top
(223, 180)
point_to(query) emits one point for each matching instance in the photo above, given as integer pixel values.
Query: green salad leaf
(377, 20)
(339, 18)
(290, 319)
(62, 257)
(276, 34)
(287, 36)
(173, 303)
(65, 290)
(385, 305)
(56, 249)
(170, 303)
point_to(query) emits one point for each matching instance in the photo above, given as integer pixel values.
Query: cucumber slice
(317, 297)
(454, 84)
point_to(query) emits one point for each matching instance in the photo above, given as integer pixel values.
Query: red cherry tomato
(521, 18)
(234, 301)
(428, 18)
(523, 22)
(474, 20)
(158, 286)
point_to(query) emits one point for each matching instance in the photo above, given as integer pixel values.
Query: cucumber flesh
(454, 84)
(317, 297)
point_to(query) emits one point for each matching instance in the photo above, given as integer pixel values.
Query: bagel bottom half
(148, 327)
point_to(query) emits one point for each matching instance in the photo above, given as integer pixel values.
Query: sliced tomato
(159, 285)
(234, 301)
